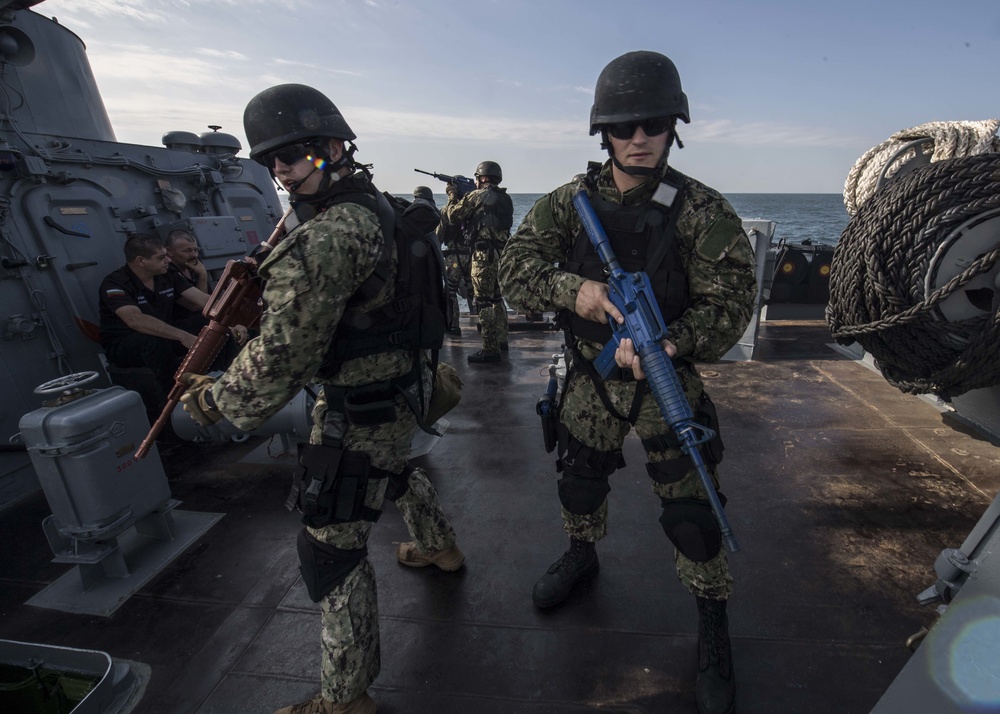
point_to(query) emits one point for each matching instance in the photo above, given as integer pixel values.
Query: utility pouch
(370, 405)
(330, 485)
(446, 394)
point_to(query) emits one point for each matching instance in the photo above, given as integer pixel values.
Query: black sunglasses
(650, 127)
(288, 155)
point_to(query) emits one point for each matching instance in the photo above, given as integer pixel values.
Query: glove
(197, 399)
(452, 192)
(239, 333)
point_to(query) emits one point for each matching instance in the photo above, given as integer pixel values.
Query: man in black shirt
(182, 249)
(137, 308)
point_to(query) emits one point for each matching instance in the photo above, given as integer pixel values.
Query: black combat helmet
(290, 113)
(423, 192)
(636, 86)
(491, 169)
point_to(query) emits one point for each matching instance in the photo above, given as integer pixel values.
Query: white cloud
(751, 134)
(368, 121)
(316, 67)
(150, 11)
(222, 54)
(147, 66)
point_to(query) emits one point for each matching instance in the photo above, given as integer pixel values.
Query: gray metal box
(84, 454)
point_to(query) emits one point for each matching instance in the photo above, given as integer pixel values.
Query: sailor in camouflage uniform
(326, 281)
(689, 240)
(486, 214)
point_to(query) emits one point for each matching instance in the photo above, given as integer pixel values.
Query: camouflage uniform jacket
(713, 247)
(310, 276)
(467, 213)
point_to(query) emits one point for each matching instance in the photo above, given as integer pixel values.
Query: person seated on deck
(182, 249)
(137, 304)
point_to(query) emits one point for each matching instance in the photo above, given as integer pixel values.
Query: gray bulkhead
(69, 196)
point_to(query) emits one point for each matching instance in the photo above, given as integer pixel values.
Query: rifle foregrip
(198, 359)
(665, 385)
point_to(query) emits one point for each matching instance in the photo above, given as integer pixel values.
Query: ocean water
(815, 217)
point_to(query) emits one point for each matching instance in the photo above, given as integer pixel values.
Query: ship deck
(842, 492)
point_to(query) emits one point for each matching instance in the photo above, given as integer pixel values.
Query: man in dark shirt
(137, 307)
(182, 249)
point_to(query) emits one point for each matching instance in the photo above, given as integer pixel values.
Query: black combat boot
(483, 356)
(577, 564)
(715, 688)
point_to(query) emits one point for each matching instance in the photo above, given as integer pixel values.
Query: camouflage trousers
(351, 657)
(589, 421)
(492, 310)
(456, 271)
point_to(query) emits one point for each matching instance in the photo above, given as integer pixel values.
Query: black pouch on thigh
(323, 566)
(330, 486)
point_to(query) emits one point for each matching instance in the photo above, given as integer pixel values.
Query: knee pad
(691, 526)
(584, 484)
(323, 566)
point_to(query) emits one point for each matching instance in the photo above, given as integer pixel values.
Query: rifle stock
(235, 301)
(632, 294)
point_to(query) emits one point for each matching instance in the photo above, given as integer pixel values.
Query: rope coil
(951, 140)
(884, 268)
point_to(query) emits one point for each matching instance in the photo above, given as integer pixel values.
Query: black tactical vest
(394, 326)
(497, 211)
(643, 239)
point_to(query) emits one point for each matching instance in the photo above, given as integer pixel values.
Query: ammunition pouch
(323, 566)
(330, 485)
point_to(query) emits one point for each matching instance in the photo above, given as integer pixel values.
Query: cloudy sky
(785, 95)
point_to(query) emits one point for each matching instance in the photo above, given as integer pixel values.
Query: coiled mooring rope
(879, 274)
(951, 140)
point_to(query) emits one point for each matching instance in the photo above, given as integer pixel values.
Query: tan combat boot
(359, 705)
(449, 559)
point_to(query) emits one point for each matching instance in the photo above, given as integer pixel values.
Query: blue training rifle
(632, 294)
